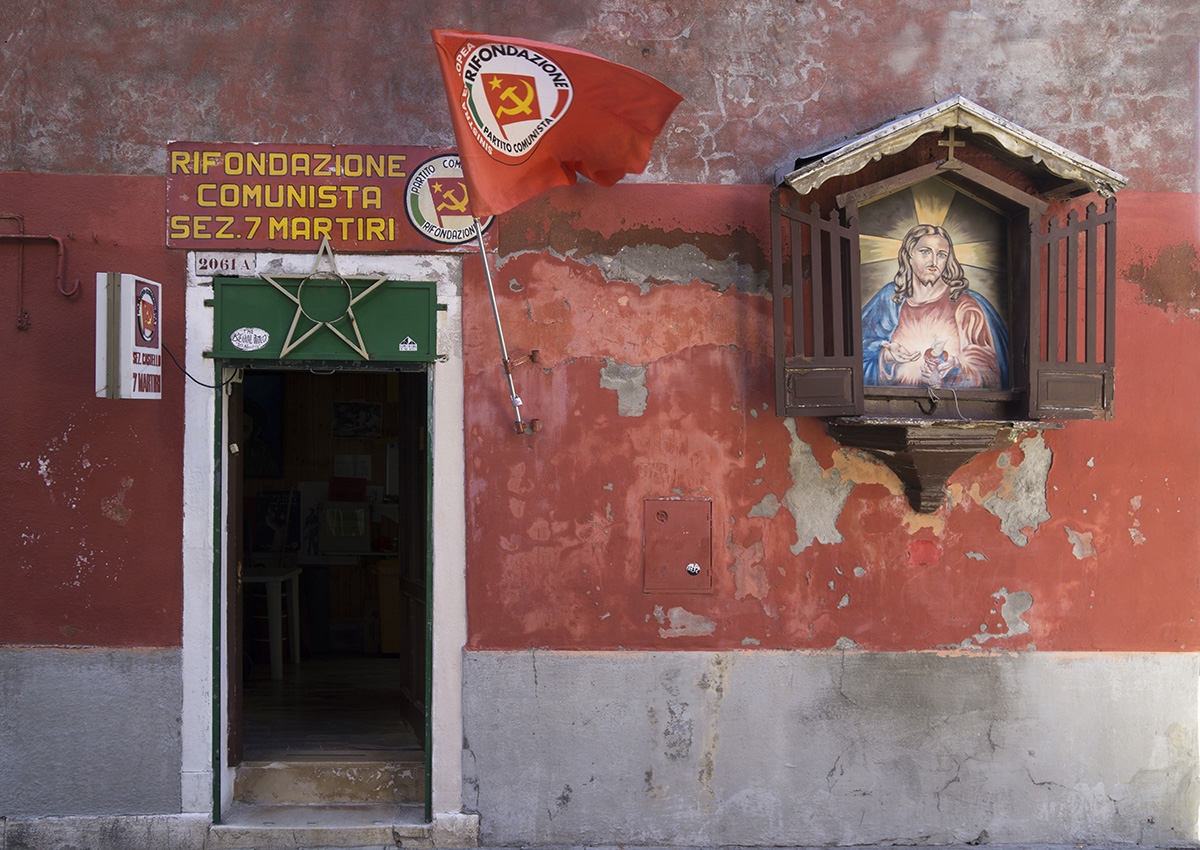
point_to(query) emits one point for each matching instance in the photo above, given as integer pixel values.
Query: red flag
(528, 116)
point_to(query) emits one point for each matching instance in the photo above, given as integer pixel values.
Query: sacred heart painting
(935, 290)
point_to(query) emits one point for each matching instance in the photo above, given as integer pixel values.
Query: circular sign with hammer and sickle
(437, 203)
(147, 315)
(511, 96)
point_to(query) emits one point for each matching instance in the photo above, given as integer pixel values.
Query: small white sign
(128, 336)
(249, 339)
(225, 263)
(407, 344)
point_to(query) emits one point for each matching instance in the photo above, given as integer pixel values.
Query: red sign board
(364, 198)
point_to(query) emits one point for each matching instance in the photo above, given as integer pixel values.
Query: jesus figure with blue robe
(925, 328)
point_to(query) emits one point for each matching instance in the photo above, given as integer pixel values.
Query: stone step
(347, 825)
(320, 781)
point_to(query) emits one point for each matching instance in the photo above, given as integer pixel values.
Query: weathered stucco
(1171, 279)
(813, 544)
(1019, 666)
(830, 748)
(815, 499)
(1020, 500)
(763, 81)
(629, 383)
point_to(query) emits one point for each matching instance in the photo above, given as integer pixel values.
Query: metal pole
(512, 389)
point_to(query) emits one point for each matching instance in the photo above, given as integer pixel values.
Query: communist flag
(530, 116)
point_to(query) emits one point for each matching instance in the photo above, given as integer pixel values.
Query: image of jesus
(926, 328)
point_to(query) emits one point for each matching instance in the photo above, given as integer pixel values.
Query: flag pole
(512, 389)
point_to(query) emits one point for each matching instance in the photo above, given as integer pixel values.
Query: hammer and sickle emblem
(521, 106)
(451, 202)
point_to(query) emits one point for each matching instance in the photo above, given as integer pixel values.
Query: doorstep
(291, 827)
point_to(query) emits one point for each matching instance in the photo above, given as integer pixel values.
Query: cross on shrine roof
(1077, 174)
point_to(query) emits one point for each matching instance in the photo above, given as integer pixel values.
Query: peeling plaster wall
(1016, 667)
(649, 387)
(830, 748)
(648, 303)
(764, 80)
(858, 672)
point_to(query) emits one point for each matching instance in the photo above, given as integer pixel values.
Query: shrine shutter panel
(818, 334)
(1072, 316)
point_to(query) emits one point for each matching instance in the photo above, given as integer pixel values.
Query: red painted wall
(90, 489)
(555, 518)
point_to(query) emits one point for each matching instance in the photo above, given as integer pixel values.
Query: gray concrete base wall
(139, 832)
(89, 732)
(830, 748)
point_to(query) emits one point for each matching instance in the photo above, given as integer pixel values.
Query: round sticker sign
(437, 203)
(249, 339)
(147, 314)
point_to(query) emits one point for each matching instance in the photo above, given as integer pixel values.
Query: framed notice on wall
(128, 336)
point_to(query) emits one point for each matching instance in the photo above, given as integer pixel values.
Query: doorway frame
(206, 776)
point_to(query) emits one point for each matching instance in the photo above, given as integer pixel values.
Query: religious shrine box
(940, 282)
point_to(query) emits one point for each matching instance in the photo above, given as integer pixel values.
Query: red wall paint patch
(885, 579)
(923, 553)
(91, 489)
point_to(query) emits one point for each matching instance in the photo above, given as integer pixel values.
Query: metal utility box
(677, 546)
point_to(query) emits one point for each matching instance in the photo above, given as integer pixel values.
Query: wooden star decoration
(326, 253)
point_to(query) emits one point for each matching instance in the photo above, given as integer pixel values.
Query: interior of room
(334, 520)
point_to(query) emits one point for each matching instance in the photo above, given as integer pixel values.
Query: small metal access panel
(677, 545)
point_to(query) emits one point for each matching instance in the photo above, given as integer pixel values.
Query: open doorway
(332, 480)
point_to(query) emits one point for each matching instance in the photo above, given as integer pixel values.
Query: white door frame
(206, 777)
